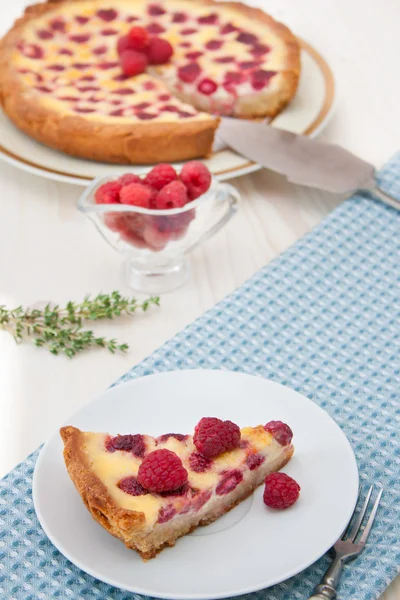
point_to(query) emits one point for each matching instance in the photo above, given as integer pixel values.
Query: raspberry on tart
(211, 58)
(148, 492)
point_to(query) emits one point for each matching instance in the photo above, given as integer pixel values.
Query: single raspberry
(162, 471)
(139, 37)
(213, 436)
(135, 222)
(166, 513)
(155, 28)
(129, 443)
(179, 17)
(156, 10)
(156, 240)
(108, 193)
(214, 44)
(108, 14)
(174, 223)
(207, 87)
(132, 238)
(228, 482)
(196, 177)
(159, 51)
(209, 19)
(163, 438)
(45, 34)
(130, 485)
(234, 77)
(173, 195)
(129, 178)
(254, 460)
(199, 463)
(260, 49)
(224, 59)
(228, 28)
(281, 432)
(194, 55)
(82, 20)
(281, 491)
(187, 31)
(200, 499)
(247, 38)
(261, 78)
(80, 39)
(160, 176)
(114, 221)
(189, 73)
(248, 64)
(133, 62)
(136, 194)
(124, 43)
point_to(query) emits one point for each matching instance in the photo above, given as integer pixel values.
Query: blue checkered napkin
(324, 318)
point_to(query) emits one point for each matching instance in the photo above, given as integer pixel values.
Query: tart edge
(121, 523)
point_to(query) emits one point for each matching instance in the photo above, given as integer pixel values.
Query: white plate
(248, 549)
(308, 113)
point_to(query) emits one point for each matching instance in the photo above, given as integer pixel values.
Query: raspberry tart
(69, 78)
(150, 491)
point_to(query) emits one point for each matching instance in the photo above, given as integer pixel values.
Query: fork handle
(326, 590)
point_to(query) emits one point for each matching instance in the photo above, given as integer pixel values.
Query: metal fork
(347, 548)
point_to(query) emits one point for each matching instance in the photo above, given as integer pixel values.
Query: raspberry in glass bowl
(156, 219)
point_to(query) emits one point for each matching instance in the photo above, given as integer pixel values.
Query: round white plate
(248, 549)
(308, 113)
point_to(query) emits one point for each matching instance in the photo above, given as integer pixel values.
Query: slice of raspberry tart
(150, 491)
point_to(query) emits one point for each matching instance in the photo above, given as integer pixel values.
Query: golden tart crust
(60, 79)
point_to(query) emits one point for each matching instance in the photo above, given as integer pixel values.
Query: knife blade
(301, 159)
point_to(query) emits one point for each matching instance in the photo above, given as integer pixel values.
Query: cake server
(302, 160)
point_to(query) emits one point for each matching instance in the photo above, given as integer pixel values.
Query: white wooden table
(50, 252)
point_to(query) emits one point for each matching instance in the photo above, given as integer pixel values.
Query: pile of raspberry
(138, 49)
(161, 189)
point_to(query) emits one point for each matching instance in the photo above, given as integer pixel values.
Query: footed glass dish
(155, 243)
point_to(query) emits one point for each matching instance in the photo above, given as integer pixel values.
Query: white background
(49, 252)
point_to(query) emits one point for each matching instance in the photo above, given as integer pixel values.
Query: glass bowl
(156, 243)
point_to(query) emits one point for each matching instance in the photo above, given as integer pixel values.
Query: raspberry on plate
(139, 38)
(196, 177)
(281, 432)
(162, 471)
(159, 51)
(173, 195)
(136, 194)
(281, 491)
(108, 193)
(133, 62)
(213, 436)
(161, 175)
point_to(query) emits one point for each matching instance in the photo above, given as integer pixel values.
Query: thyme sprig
(61, 329)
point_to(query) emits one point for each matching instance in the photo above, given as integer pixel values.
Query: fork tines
(355, 530)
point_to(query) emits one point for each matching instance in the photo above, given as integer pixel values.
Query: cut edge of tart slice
(104, 471)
